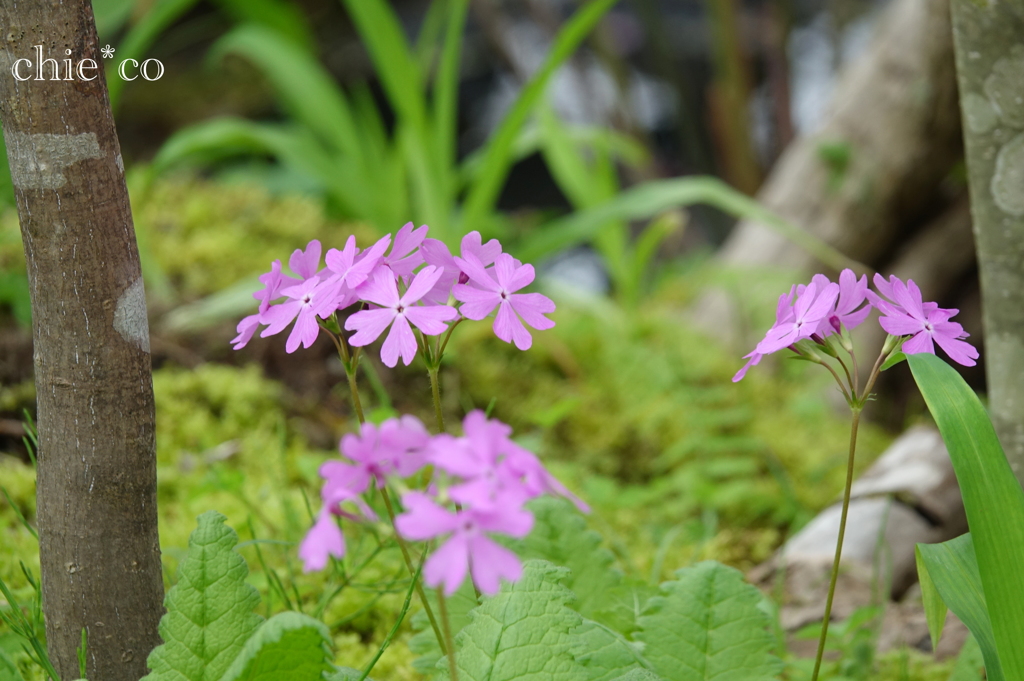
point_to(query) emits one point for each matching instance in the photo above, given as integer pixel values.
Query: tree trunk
(989, 40)
(96, 508)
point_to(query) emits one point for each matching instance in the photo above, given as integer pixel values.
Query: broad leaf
(287, 647)
(993, 499)
(621, 606)
(560, 535)
(953, 570)
(605, 654)
(970, 665)
(523, 633)
(209, 611)
(708, 625)
(638, 675)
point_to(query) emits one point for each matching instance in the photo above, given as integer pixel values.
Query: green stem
(442, 604)
(356, 402)
(839, 543)
(412, 571)
(435, 389)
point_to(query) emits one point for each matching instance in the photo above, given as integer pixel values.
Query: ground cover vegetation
(718, 479)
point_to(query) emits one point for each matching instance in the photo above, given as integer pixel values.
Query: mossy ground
(633, 409)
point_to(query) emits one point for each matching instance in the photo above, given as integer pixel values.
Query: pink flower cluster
(413, 285)
(481, 484)
(822, 308)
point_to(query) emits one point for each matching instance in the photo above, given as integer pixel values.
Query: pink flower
(349, 268)
(272, 282)
(812, 306)
(396, 447)
(398, 311)
(926, 323)
(324, 540)
(479, 302)
(404, 257)
(847, 311)
(306, 263)
(308, 300)
(436, 253)
(469, 549)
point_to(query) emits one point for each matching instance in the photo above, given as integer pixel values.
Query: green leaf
(953, 570)
(892, 360)
(605, 654)
(209, 611)
(9, 670)
(708, 625)
(346, 674)
(621, 606)
(970, 664)
(141, 37)
(934, 608)
(497, 156)
(560, 535)
(638, 674)
(993, 499)
(287, 647)
(648, 199)
(283, 17)
(524, 633)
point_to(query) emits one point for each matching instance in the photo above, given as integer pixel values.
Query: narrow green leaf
(141, 37)
(993, 499)
(496, 161)
(953, 570)
(303, 86)
(287, 647)
(209, 611)
(560, 535)
(934, 607)
(646, 200)
(970, 664)
(524, 633)
(446, 96)
(708, 625)
(283, 17)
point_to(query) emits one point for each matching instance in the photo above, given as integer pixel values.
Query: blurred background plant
(614, 144)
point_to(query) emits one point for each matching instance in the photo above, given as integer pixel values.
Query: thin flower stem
(856, 373)
(442, 604)
(875, 371)
(413, 571)
(447, 336)
(356, 402)
(435, 388)
(839, 542)
(842, 387)
(398, 622)
(849, 379)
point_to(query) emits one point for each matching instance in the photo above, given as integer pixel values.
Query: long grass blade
(496, 164)
(993, 499)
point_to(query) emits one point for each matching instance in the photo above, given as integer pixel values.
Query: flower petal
(369, 325)
(490, 562)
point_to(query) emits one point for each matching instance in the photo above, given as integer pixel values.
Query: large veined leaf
(287, 647)
(707, 624)
(952, 569)
(209, 614)
(525, 633)
(605, 654)
(560, 535)
(993, 499)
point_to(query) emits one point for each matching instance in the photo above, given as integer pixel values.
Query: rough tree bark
(989, 40)
(96, 508)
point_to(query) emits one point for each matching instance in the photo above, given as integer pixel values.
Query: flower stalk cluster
(814, 322)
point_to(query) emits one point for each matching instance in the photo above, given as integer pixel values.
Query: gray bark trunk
(96, 509)
(989, 39)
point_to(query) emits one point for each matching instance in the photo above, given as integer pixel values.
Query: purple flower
(273, 281)
(436, 253)
(323, 540)
(783, 313)
(469, 549)
(398, 311)
(350, 268)
(812, 305)
(479, 302)
(307, 301)
(396, 447)
(926, 323)
(306, 263)
(847, 311)
(404, 257)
